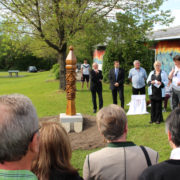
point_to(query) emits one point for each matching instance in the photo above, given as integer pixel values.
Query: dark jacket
(58, 175)
(112, 78)
(96, 84)
(166, 170)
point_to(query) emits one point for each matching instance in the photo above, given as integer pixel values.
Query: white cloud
(176, 14)
(175, 1)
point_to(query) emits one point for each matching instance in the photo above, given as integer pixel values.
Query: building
(167, 45)
(98, 55)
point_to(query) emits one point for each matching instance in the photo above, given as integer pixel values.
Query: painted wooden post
(71, 82)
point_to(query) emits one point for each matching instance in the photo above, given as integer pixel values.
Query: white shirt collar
(176, 69)
(175, 154)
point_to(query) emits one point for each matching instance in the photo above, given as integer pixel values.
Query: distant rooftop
(166, 34)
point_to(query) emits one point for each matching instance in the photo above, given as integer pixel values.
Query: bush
(55, 70)
(111, 54)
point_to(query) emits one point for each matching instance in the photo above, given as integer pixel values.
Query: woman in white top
(174, 75)
(85, 68)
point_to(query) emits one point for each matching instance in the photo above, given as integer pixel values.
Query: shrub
(111, 54)
(55, 70)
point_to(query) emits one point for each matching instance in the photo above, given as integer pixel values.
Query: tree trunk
(62, 63)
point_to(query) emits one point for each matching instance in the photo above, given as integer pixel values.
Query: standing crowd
(30, 152)
(160, 85)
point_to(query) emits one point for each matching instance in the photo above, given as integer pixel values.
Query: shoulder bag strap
(88, 163)
(146, 155)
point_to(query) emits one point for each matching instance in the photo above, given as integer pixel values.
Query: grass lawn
(49, 101)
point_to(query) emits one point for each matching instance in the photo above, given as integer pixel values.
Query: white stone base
(72, 123)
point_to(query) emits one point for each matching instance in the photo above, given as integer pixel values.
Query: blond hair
(157, 62)
(54, 151)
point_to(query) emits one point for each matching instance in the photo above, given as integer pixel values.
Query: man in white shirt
(169, 169)
(85, 68)
(174, 75)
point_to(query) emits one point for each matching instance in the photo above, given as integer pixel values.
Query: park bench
(13, 71)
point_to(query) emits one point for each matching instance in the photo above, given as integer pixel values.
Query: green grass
(49, 101)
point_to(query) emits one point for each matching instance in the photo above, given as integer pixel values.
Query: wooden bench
(13, 71)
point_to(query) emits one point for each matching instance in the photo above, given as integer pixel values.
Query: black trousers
(156, 111)
(119, 90)
(99, 92)
(175, 98)
(137, 91)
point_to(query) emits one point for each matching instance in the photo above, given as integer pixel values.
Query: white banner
(137, 105)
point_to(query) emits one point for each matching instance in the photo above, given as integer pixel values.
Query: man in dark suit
(96, 86)
(168, 169)
(116, 77)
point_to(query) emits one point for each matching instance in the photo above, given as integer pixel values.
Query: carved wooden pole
(71, 82)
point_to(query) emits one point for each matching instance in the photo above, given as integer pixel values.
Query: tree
(129, 36)
(57, 21)
(15, 52)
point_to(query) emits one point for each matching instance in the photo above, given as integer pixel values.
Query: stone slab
(75, 118)
(71, 123)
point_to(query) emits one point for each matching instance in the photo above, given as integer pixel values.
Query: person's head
(95, 66)
(176, 60)
(116, 64)
(136, 64)
(173, 127)
(157, 65)
(54, 151)
(85, 61)
(18, 128)
(112, 122)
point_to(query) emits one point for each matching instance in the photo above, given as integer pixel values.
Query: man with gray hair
(19, 138)
(96, 86)
(169, 169)
(137, 76)
(121, 159)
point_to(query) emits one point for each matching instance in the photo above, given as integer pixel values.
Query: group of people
(32, 151)
(157, 82)
(29, 151)
(124, 160)
(116, 77)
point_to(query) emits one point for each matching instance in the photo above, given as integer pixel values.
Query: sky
(174, 6)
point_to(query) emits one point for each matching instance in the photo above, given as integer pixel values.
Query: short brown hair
(111, 121)
(176, 58)
(116, 61)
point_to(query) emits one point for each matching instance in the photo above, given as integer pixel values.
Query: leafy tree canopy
(57, 22)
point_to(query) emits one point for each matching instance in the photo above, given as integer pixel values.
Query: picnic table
(13, 71)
